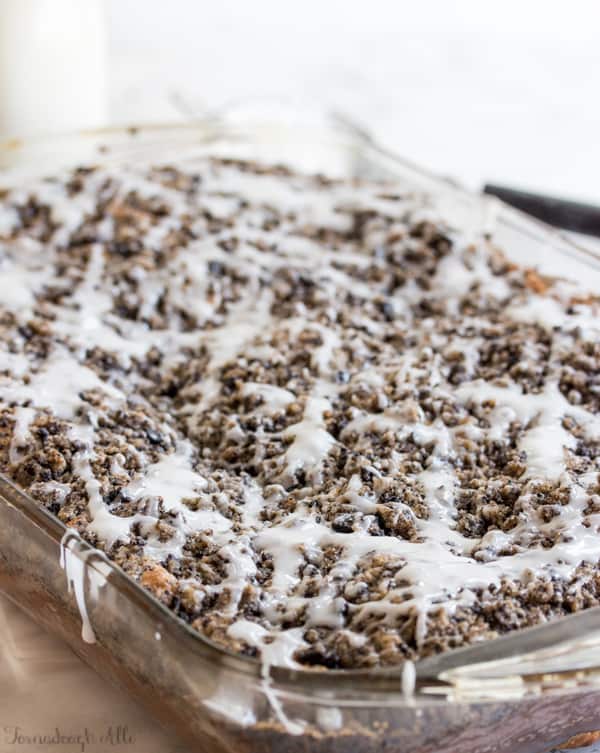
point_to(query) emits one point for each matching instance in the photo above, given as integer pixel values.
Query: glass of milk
(52, 66)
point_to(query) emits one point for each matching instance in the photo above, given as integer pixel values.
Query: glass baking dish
(225, 703)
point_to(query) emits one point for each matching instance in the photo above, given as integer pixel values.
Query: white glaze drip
(82, 580)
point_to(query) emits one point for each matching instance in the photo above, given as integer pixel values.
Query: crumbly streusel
(317, 421)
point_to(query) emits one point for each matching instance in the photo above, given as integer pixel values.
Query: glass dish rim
(209, 129)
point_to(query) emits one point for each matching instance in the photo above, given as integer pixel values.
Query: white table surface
(502, 90)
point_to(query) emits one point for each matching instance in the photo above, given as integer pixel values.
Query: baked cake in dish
(321, 424)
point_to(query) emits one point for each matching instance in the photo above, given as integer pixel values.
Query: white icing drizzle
(408, 679)
(545, 441)
(108, 527)
(84, 581)
(274, 398)
(171, 478)
(23, 418)
(292, 727)
(56, 386)
(277, 652)
(310, 439)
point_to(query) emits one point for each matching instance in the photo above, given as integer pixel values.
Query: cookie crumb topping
(317, 421)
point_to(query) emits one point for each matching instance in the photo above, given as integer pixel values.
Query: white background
(482, 89)
(479, 89)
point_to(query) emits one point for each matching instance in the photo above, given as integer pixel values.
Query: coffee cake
(318, 421)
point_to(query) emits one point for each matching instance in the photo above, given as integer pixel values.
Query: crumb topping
(315, 419)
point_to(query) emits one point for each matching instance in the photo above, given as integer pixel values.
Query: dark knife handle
(568, 215)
